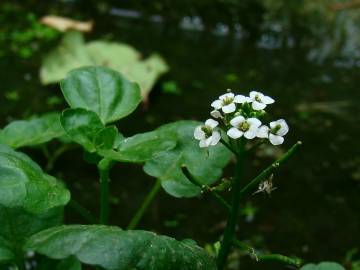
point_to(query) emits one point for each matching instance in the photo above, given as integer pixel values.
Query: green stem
(267, 257)
(234, 212)
(145, 205)
(255, 182)
(104, 168)
(85, 213)
(229, 147)
(205, 188)
(280, 258)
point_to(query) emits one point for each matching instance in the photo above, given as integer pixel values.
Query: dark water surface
(313, 213)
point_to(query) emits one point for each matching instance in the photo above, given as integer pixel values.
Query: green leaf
(204, 164)
(82, 126)
(141, 147)
(32, 132)
(73, 53)
(106, 138)
(113, 248)
(101, 90)
(70, 263)
(6, 255)
(24, 184)
(17, 225)
(323, 266)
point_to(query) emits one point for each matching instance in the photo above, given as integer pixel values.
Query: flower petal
(217, 104)
(253, 95)
(216, 114)
(257, 106)
(284, 128)
(215, 138)
(229, 108)
(227, 95)
(251, 133)
(236, 121)
(205, 143)
(267, 100)
(234, 133)
(211, 123)
(199, 134)
(241, 99)
(254, 122)
(275, 140)
(263, 132)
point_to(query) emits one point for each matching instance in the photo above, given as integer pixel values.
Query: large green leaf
(24, 184)
(101, 90)
(17, 225)
(32, 132)
(115, 249)
(323, 266)
(141, 147)
(205, 164)
(73, 53)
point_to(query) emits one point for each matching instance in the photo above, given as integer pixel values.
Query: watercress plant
(32, 202)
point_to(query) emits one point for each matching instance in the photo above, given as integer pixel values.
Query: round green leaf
(141, 147)
(24, 184)
(323, 266)
(101, 90)
(115, 249)
(31, 132)
(204, 164)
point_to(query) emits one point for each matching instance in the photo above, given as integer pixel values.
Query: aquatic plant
(32, 202)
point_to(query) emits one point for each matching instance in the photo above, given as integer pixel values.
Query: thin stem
(205, 188)
(229, 147)
(85, 213)
(254, 183)
(53, 158)
(145, 205)
(280, 258)
(234, 212)
(267, 257)
(104, 168)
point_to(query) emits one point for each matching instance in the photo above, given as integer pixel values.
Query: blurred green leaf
(73, 53)
(323, 266)
(113, 248)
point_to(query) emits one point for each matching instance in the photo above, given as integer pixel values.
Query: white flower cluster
(240, 117)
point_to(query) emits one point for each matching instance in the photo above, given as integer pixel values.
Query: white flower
(225, 103)
(275, 133)
(242, 99)
(241, 126)
(206, 133)
(216, 114)
(259, 100)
